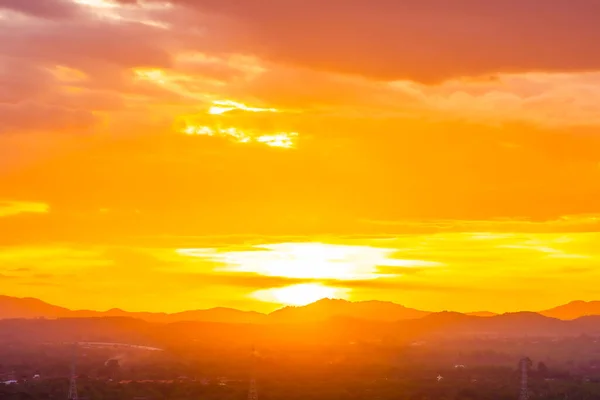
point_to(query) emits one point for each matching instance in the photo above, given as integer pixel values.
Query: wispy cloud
(10, 208)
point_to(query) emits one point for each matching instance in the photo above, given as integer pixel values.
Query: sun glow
(299, 295)
(310, 260)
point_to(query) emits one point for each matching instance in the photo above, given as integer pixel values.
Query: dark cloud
(428, 40)
(20, 81)
(39, 117)
(88, 44)
(50, 9)
(100, 52)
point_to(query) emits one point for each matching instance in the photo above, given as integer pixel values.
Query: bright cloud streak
(8, 208)
(97, 3)
(278, 140)
(284, 140)
(222, 106)
(311, 260)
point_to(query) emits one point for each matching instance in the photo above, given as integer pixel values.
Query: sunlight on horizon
(299, 295)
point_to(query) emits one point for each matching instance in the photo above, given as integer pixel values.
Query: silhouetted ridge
(330, 308)
(322, 310)
(573, 310)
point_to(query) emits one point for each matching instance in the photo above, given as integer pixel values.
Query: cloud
(430, 41)
(220, 53)
(11, 208)
(86, 44)
(398, 284)
(561, 224)
(400, 271)
(50, 9)
(241, 280)
(56, 76)
(21, 80)
(34, 117)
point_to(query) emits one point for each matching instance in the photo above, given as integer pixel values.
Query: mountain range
(29, 308)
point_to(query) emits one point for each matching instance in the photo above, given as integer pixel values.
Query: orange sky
(164, 156)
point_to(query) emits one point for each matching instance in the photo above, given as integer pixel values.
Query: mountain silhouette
(329, 308)
(574, 310)
(482, 314)
(325, 309)
(336, 331)
(13, 307)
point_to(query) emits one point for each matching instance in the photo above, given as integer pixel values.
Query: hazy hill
(12, 307)
(482, 314)
(573, 310)
(329, 308)
(337, 332)
(219, 314)
(523, 324)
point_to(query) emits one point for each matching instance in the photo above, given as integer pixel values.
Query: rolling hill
(329, 308)
(573, 310)
(12, 307)
(29, 308)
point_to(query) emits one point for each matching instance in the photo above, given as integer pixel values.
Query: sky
(187, 154)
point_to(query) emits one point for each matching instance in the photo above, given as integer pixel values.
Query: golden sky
(172, 155)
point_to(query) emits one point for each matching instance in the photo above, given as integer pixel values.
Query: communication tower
(73, 380)
(525, 364)
(252, 392)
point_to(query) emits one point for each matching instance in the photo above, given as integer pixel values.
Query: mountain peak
(321, 310)
(574, 310)
(334, 308)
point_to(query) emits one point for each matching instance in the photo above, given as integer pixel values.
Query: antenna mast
(525, 365)
(73, 380)
(252, 392)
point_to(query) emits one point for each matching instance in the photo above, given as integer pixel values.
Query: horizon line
(294, 306)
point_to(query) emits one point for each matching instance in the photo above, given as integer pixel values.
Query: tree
(542, 369)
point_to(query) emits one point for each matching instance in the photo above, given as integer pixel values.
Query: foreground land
(446, 356)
